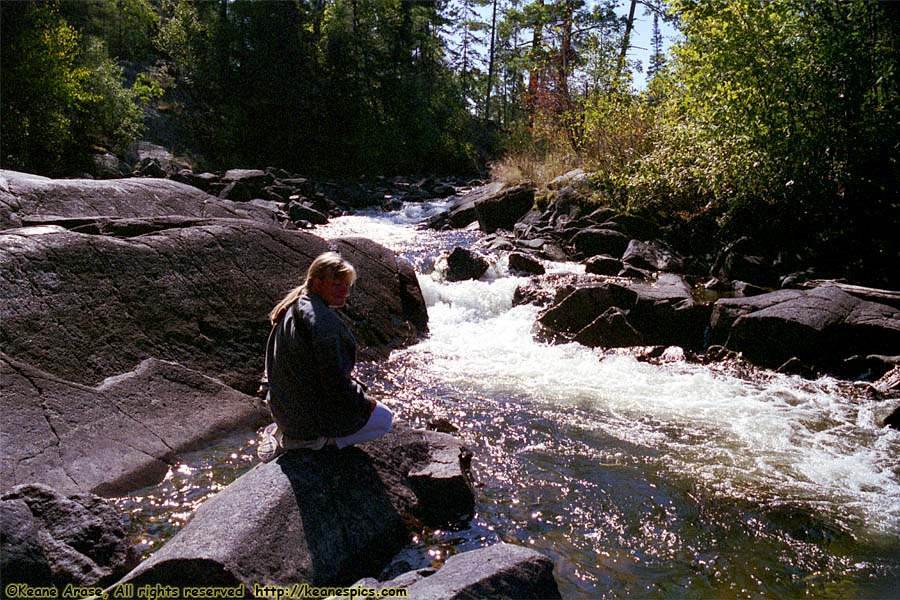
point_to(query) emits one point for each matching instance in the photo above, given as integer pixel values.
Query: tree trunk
(626, 40)
(490, 78)
(534, 71)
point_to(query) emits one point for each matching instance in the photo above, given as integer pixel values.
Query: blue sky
(641, 36)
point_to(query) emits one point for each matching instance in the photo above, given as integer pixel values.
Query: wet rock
(893, 420)
(194, 295)
(463, 264)
(602, 265)
(498, 571)
(610, 330)
(652, 256)
(593, 241)
(325, 518)
(659, 312)
(867, 368)
(525, 264)
(501, 211)
(299, 212)
(24, 196)
(119, 436)
(542, 289)
(665, 313)
(574, 309)
(820, 327)
(50, 539)
(795, 366)
(888, 385)
(442, 425)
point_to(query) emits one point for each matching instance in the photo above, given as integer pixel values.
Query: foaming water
(773, 435)
(646, 480)
(639, 480)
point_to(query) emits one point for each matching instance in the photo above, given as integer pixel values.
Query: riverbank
(590, 452)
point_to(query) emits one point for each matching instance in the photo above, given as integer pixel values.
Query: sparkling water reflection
(638, 480)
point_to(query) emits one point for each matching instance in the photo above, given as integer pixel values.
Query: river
(639, 480)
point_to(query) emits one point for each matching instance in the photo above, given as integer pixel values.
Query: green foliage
(125, 26)
(781, 117)
(353, 86)
(62, 94)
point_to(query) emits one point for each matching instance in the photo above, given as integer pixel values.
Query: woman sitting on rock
(309, 357)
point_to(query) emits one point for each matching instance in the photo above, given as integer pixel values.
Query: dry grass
(524, 166)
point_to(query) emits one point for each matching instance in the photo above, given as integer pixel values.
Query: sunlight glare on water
(778, 434)
(638, 480)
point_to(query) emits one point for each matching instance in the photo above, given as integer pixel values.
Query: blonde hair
(329, 265)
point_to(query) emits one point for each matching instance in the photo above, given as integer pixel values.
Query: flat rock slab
(820, 326)
(86, 307)
(498, 571)
(326, 517)
(24, 196)
(50, 539)
(116, 437)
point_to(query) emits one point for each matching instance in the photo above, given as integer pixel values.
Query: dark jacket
(309, 357)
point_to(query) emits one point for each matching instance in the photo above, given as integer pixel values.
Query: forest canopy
(776, 119)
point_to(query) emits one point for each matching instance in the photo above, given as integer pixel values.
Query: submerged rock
(498, 571)
(328, 517)
(50, 539)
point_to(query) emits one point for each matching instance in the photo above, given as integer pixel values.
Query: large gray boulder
(652, 256)
(597, 240)
(49, 539)
(820, 327)
(494, 206)
(27, 199)
(661, 312)
(498, 571)
(666, 314)
(326, 517)
(86, 307)
(574, 307)
(501, 211)
(118, 436)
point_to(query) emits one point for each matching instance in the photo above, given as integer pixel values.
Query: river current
(639, 480)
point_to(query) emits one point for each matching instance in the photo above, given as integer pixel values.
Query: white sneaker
(268, 448)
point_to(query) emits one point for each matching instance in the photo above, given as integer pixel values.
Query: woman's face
(334, 290)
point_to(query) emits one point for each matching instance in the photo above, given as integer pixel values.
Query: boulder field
(637, 291)
(135, 319)
(134, 323)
